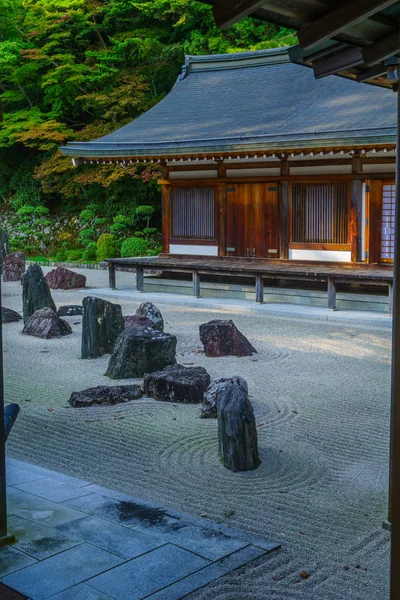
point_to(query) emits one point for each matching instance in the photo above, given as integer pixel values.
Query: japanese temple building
(262, 161)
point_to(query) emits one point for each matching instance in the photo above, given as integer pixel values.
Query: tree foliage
(79, 69)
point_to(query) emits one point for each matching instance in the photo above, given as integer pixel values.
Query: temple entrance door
(252, 220)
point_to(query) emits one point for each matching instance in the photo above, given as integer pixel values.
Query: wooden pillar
(111, 276)
(356, 210)
(284, 210)
(259, 289)
(139, 279)
(331, 293)
(196, 284)
(221, 192)
(221, 168)
(374, 224)
(165, 218)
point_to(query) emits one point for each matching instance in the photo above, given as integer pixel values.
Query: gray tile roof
(251, 101)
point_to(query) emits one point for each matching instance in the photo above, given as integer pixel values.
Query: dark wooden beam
(371, 73)
(335, 21)
(227, 12)
(380, 51)
(338, 61)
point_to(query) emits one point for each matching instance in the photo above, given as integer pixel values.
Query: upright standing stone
(14, 266)
(150, 311)
(237, 433)
(141, 350)
(102, 323)
(35, 292)
(223, 338)
(4, 245)
(210, 400)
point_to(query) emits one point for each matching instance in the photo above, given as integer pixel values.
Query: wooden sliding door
(252, 220)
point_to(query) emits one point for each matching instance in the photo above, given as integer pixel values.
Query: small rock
(64, 279)
(210, 400)
(177, 383)
(105, 395)
(13, 266)
(222, 338)
(45, 323)
(9, 316)
(237, 432)
(137, 321)
(70, 310)
(150, 311)
(140, 350)
(35, 292)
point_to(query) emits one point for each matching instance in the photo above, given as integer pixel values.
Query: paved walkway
(248, 307)
(79, 541)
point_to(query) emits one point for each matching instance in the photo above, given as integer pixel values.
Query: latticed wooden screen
(388, 212)
(193, 213)
(320, 213)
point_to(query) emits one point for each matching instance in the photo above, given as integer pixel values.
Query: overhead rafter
(227, 12)
(334, 22)
(382, 50)
(371, 73)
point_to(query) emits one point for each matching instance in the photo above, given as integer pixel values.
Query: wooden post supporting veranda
(394, 483)
(3, 498)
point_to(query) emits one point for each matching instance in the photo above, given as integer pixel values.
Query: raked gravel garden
(321, 397)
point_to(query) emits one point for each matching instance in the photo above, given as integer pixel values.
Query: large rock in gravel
(102, 324)
(9, 316)
(177, 383)
(4, 245)
(150, 311)
(237, 432)
(141, 350)
(137, 321)
(70, 310)
(13, 266)
(35, 292)
(223, 338)
(64, 279)
(45, 323)
(104, 395)
(210, 400)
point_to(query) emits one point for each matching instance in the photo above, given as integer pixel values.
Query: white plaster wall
(328, 255)
(321, 170)
(193, 249)
(194, 174)
(258, 172)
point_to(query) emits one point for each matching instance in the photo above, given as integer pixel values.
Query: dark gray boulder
(13, 266)
(9, 316)
(237, 432)
(64, 279)
(222, 338)
(35, 292)
(137, 321)
(45, 323)
(71, 310)
(101, 326)
(210, 400)
(177, 383)
(150, 311)
(140, 350)
(104, 395)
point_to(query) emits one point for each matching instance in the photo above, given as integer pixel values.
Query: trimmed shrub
(73, 255)
(105, 246)
(134, 246)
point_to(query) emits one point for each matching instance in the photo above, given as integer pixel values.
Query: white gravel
(321, 394)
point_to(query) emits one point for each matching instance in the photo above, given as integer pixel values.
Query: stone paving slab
(146, 574)
(105, 545)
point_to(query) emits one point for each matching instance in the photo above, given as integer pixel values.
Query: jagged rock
(13, 266)
(9, 316)
(70, 310)
(64, 279)
(237, 432)
(35, 292)
(105, 395)
(150, 311)
(177, 383)
(102, 324)
(222, 338)
(137, 321)
(45, 323)
(210, 400)
(140, 350)
(4, 245)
